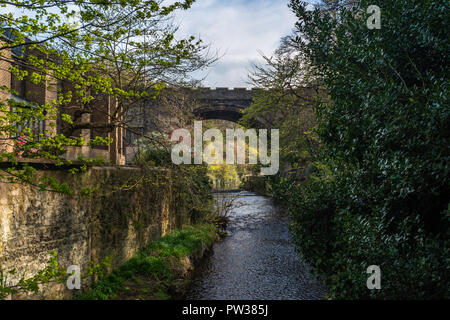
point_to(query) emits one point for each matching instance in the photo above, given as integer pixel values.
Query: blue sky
(238, 29)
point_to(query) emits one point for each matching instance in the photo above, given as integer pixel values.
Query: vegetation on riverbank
(158, 272)
(378, 191)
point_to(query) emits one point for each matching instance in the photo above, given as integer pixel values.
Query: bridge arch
(223, 103)
(222, 112)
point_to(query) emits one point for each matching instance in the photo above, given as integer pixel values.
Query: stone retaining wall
(111, 223)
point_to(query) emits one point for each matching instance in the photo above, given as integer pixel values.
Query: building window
(36, 126)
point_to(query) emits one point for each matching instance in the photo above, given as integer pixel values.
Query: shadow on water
(256, 261)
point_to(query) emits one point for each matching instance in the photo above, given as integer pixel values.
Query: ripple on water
(256, 261)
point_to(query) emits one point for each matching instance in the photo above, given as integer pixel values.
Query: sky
(239, 29)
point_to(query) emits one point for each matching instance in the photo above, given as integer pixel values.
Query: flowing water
(256, 261)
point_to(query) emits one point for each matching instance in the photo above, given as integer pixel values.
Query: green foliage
(156, 157)
(53, 272)
(157, 264)
(383, 195)
(286, 105)
(86, 192)
(154, 150)
(224, 176)
(193, 191)
(183, 242)
(76, 48)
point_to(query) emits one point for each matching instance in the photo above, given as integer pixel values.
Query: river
(256, 261)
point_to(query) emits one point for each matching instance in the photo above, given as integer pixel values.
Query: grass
(156, 269)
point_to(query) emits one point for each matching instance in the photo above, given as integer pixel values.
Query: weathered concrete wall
(112, 222)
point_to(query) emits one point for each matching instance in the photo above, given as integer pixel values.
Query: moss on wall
(129, 209)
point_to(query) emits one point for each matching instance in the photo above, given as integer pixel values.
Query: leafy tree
(123, 49)
(383, 195)
(286, 103)
(83, 52)
(224, 174)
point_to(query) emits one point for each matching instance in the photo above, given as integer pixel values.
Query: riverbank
(257, 184)
(160, 271)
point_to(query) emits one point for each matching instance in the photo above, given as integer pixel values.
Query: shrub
(385, 198)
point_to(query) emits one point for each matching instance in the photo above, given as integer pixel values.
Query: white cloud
(239, 29)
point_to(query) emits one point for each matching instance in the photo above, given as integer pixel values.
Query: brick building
(43, 93)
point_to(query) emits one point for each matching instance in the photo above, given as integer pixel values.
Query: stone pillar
(114, 147)
(122, 148)
(116, 155)
(51, 95)
(86, 134)
(72, 109)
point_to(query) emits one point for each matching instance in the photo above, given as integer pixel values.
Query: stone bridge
(223, 103)
(204, 103)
